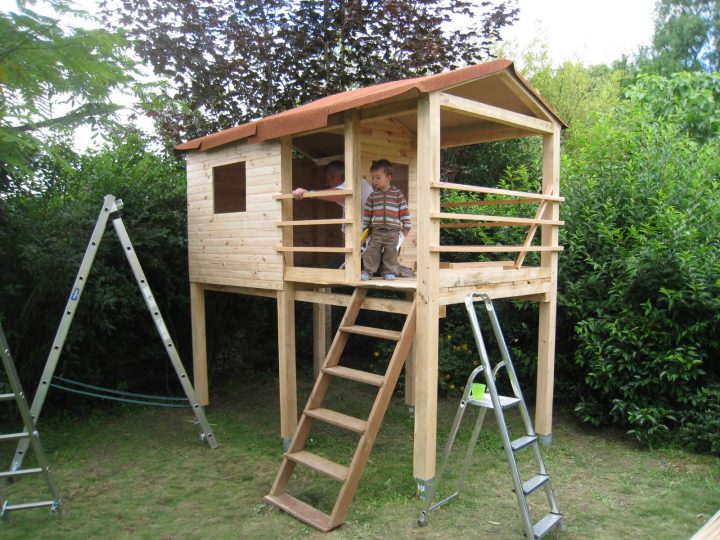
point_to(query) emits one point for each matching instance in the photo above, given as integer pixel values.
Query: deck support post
(426, 337)
(287, 376)
(199, 342)
(548, 308)
(322, 334)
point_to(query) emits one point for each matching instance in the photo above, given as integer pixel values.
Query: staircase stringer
(377, 413)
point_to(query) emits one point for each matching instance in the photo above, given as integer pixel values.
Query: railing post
(353, 203)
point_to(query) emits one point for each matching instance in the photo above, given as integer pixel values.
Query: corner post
(286, 309)
(199, 342)
(548, 308)
(426, 341)
(353, 208)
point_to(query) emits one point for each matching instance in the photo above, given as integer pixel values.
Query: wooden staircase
(348, 476)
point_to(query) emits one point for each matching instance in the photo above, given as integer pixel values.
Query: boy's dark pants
(382, 237)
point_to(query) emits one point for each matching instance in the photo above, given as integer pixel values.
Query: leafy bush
(639, 276)
(43, 237)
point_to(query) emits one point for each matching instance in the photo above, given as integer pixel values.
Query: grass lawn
(142, 473)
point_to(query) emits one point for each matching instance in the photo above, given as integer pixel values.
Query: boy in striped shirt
(386, 213)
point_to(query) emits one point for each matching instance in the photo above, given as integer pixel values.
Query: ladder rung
(7, 397)
(355, 375)
(542, 527)
(302, 511)
(371, 331)
(523, 442)
(20, 472)
(25, 506)
(505, 401)
(14, 436)
(536, 482)
(319, 464)
(338, 419)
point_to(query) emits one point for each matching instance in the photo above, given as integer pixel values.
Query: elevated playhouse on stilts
(247, 235)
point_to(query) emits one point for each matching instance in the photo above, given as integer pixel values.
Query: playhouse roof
(315, 115)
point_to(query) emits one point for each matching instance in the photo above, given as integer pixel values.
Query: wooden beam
(199, 342)
(312, 194)
(385, 305)
(475, 109)
(548, 310)
(311, 249)
(506, 220)
(466, 135)
(249, 291)
(428, 268)
(311, 222)
(286, 361)
(322, 327)
(353, 205)
(492, 249)
(286, 205)
(496, 191)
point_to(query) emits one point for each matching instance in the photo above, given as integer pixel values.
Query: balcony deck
(454, 283)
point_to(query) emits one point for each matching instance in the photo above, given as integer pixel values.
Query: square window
(229, 188)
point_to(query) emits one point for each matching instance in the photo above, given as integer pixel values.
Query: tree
(45, 68)
(687, 37)
(231, 62)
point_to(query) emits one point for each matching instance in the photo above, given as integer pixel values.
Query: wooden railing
(482, 220)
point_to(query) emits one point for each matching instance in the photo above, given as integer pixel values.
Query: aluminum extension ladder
(111, 210)
(492, 400)
(29, 433)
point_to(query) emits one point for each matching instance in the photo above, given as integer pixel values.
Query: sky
(585, 31)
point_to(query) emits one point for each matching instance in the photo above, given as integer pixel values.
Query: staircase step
(20, 472)
(371, 331)
(535, 483)
(338, 419)
(542, 527)
(25, 506)
(14, 436)
(319, 464)
(355, 375)
(505, 401)
(302, 511)
(523, 442)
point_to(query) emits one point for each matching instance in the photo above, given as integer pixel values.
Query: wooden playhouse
(247, 235)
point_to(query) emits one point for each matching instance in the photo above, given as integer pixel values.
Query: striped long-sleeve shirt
(387, 209)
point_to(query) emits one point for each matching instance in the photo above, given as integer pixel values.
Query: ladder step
(536, 482)
(523, 442)
(337, 419)
(7, 397)
(25, 506)
(371, 331)
(319, 464)
(14, 436)
(542, 527)
(20, 472)
(505, 401)
(355, 375)
(302, 511)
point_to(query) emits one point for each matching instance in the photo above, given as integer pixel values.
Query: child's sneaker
(389, 276)
(365, 276)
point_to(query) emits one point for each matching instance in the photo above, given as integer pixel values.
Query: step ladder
(111, 211)
(348, 476)
(29, 433)
(492, 400)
